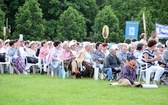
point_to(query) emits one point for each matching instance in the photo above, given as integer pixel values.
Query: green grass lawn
(45, 90)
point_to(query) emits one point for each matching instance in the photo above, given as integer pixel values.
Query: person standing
(153, 36)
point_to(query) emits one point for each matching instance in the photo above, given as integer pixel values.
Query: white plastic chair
(44, 65)
(143, 69)
(8, 59)
(28, 65)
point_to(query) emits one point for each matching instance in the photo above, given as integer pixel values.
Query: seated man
(128, 73)
(112, 61)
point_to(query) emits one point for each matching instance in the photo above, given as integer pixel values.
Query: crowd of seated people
(81, 56)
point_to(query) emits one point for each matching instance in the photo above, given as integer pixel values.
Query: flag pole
(4, 32)
(144, 22)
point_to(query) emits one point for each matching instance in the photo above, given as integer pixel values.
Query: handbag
(32, 60)
(2, 57)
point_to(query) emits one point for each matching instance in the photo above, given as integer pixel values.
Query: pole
(144, 22)
(104, 40)
(6, 22)
(4, 32)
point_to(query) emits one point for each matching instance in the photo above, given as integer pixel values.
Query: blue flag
(131, 30)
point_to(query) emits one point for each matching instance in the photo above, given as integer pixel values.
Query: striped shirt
(150, 56)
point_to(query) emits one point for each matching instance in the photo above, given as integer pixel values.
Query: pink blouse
(42, 50)
(65, 54)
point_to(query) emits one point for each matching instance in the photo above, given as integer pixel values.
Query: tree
(106, 17)
(10, 10)
(29, 21)
(88, 8)
(71, 25)
(2, 18)
(50, 30)
(159, 11)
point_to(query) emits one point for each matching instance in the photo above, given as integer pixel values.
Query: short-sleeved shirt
(42, 55)
(150, 56)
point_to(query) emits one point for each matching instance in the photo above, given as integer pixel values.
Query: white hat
(49, 42)
(71, 43)
(7, 41)
(32, 42)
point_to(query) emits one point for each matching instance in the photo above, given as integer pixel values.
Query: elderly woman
(31, 51)
(55, 63)
(16, 58)
(150, 58)
(85, 59)
(98, 55)
(69, 60)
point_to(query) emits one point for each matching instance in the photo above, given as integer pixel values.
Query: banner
(131, 31)
(161, 31)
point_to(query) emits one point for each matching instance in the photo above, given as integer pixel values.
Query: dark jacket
(128, 73)
(112, 62)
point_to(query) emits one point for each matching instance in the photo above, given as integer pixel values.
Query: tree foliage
(106, 17)
(2, 22)
(71, 25)
(29, 21)
(52, 10)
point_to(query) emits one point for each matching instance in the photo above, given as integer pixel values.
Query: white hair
(167, 43)
(65, 43)
(111, 49)
(86, 44)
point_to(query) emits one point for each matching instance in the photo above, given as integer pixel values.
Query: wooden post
(4, 32)
(144, 22)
